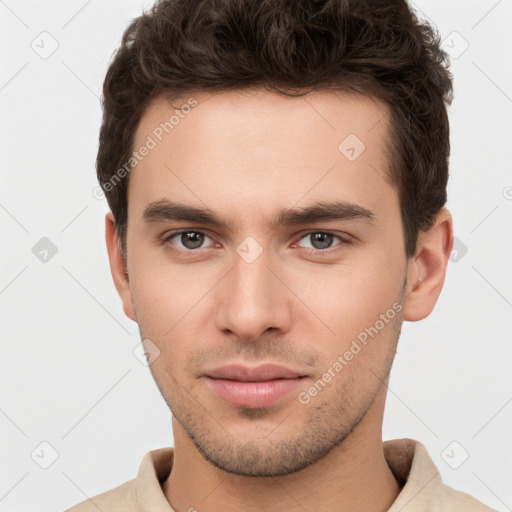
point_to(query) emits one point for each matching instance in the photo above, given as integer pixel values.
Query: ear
(118, 267)
(427, 269)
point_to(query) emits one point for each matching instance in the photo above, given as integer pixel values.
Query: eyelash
(168, 238)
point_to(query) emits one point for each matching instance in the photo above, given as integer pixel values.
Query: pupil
(321, 240)
(192, 240)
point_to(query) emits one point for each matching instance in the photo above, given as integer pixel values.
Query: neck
(352, 476)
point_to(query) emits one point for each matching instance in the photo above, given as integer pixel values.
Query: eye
(188, 240)
(320, 240)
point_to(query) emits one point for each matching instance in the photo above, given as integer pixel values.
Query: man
(276, 174)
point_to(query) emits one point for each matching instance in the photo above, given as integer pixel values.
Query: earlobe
(427, 270)
(118, 267)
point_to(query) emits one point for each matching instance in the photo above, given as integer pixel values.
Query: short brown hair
(374, 47)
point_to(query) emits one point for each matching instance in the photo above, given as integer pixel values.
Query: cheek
(169, 302)
(350, 296)
(162, 316)
(164, 292)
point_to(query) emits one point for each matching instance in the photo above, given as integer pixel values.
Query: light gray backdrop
(74, 398)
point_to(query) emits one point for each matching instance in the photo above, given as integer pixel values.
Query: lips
(260, 386)
(260, 373)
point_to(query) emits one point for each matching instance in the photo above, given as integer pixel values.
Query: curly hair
(377, 48)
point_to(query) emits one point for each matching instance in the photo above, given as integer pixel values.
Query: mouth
(256, 387)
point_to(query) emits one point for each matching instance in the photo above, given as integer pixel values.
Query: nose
(253, 299)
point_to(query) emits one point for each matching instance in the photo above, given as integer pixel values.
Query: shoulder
(423, 489)
(450, 498)
(146, 488)
(119, 499)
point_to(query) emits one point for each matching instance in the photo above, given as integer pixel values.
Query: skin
(247, 156)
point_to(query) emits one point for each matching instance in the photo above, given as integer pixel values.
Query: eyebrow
(165, 210)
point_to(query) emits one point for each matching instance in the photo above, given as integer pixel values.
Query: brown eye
(319, 240)
(192, 239)
(188, 240)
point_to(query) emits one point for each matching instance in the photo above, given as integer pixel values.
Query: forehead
(256, 112)
(256, 147)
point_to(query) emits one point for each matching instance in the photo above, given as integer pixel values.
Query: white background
(68, 374)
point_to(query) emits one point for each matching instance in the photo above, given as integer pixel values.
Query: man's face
(267, 286)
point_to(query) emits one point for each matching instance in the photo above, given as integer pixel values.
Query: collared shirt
(422, 487)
